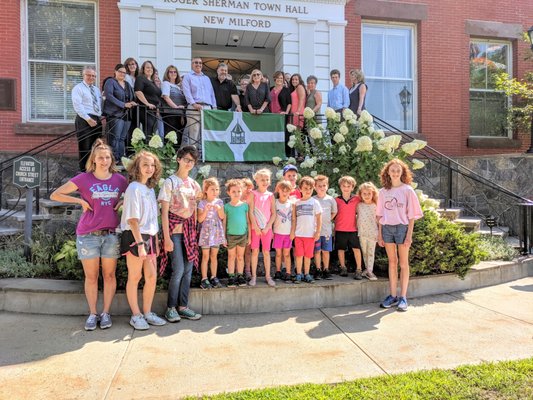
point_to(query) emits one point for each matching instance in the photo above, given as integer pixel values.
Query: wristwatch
(139, 243)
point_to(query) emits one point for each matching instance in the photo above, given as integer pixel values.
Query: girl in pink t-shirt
(398, 208)
(262, 215)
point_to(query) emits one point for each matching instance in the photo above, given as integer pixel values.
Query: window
(61, 40)
(388, 64)
(488, 107)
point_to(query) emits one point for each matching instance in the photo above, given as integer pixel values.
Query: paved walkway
(52, 357)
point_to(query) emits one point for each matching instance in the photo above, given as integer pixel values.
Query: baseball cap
(289, 167)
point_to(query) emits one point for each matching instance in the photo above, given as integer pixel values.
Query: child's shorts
(97, 245)
(128, 244)
(237, 240)
(282, 241)
(210, 247)
(265, 239)
(394, 233)
(304, 247)
(324, 243)
(347, 240)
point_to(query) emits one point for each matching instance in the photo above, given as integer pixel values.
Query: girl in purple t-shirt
(397, 209)
(100, 190)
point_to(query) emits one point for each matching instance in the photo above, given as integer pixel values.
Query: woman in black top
(357, 91)
(257, 96)
(176, 103)
(149, 96)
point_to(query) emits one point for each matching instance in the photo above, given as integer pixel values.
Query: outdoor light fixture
(405, 100)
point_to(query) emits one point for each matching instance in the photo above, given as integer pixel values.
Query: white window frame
(509, 72)
(25, 60)
(414, 63)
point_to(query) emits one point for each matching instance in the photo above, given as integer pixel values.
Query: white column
(306, 34)
(182, 48)
(164, 26)
(129, 31)
(336, 46)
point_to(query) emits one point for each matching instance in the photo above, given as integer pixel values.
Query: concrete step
(501, 231)
(48, 296)
(470, 224)
(16, 219)
(6, 231)
(451, 214)
(46, 206)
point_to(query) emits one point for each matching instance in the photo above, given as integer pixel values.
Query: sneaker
(344, 271)
(105, 321)
(358, 275)
(189, 314)
(172, 315)
(317, 275)
(309, 279)
(139, 323)
(153, 319)
(91, 322)
(402, 304)
(277, 276)
(369, 275)
(389, 302)
(253, 281)
(298, 279)
(326, 275)
(287, 277)
(215, 283)
(270, 282)
(205, 284)
(231, 281)
(241, 280)
(247, 274)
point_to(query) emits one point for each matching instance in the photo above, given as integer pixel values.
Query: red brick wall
(443, 65)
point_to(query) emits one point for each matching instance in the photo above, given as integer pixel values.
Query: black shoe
(326, 275)
(231, 281)
(317, 275)
(215, 283)
(241, 280)
(277, 276)
(205, 284)
(344, 271)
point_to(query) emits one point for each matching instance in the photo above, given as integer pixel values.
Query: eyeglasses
(172, 72)
(197, 62)
(122, 72)
(256, 74)
(188, 160)
(90, 75)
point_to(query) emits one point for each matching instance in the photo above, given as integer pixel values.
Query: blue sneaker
(402, 304)
(389, 302)
(298, 279)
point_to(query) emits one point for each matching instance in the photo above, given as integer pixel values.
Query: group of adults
(137, 95)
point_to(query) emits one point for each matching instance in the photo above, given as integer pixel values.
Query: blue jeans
(117, 136)
(180, 280)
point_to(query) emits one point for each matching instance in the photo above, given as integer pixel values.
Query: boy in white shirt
(324, 244)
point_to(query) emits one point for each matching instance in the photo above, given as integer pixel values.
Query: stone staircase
(472, 224)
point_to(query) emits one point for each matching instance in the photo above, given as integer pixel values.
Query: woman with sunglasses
(257, 95)
(174, 115)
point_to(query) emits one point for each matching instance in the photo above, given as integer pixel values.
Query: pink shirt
(262, 207)
(274, 102)
(346, 220)
(398, 205)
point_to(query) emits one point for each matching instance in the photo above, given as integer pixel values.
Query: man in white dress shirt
(199, 93)
(87, 102)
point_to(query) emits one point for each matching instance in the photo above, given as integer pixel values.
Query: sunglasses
(197, 62)
(256, 74)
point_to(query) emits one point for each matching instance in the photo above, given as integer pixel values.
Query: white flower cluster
(343, 149)
(155, 142)
(343, 129)
(389, 143)
(308, 163)
(205, 170)
(420, 143)
(276, 160)
(417, 164)
(338, 137)
(313, 173)
(410, 148)
(348, 114)
(279, 174)
(332, 192)
(426, 201)
(330, 113)
(379, 134)
(366, 118)
(172, 137)
(137, 136)
(292, 140)
(291, 128)
(335, 170)
(315, 133)
(364, 143)
(414, 185)
(308, 113)
(291, 160)
(125, 162)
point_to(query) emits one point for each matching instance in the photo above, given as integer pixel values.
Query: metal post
(450, 186)
(530, 150)
(28, 223)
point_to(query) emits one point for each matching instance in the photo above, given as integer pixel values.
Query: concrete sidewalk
(52, 357)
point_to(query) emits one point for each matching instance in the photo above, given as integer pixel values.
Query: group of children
(195, 218)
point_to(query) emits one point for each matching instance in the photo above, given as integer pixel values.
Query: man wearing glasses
(199, 93)
(225, 90)
(87, 102)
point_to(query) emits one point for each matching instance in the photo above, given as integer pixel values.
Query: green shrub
(13, 264)
(66, 259)
(496, 248)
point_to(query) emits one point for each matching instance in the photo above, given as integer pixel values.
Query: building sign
(27, 172)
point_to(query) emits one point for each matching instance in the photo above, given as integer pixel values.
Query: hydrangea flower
(137, 136)
(332, 192)
(379, 134)
(339, 137)
(291, 128)
(348, 114)
(330, 113)
(205, 170)
(342, 149)
(276, 160)
(414, 185)
(308, 113)
(125, 162)
(172, 137)
(364, 143)
(338, 117)
(417, 164)
(155, 142)
(335, 170)
(313, 173)
(291, 160)
(315, 133)
(396, 140)
(292, 141)
(410, 148)
(366, 118)
(420, 143)
(279, 174)
(343, 129)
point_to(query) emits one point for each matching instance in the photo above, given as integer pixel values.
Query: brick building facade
(437, 49)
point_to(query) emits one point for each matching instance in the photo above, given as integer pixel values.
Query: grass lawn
(487, 381)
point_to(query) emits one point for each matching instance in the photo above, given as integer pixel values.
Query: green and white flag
(239, 136)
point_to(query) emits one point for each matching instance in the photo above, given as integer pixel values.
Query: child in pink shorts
(282, 229)
(263, 213)
(306, 225)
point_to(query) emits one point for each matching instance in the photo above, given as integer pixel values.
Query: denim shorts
(394, 233)
(324, 243)
(97, 246)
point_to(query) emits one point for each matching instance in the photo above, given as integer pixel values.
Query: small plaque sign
(27, 172)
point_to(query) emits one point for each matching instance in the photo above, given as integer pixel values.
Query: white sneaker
(270, 282)
(138, 322)
(369, 275)
(153, 319)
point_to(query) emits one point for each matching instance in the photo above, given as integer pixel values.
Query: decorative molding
(391, 10)
(493, 29)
